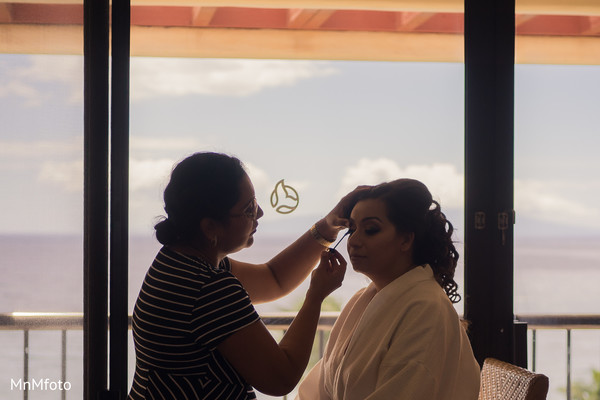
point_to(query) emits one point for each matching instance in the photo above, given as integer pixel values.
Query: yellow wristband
(319, 238)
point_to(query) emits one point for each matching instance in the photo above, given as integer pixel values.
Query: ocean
(44, 274)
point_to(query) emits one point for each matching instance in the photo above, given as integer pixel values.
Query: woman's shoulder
(174, 263)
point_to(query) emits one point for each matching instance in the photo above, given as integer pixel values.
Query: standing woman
(196, 332)
(400, 338)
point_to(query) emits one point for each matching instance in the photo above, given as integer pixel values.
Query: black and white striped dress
(184, 310)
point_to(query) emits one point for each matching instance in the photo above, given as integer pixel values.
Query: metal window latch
(504, 220)
(479, 220)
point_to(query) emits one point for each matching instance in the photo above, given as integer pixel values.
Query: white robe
(404, 342)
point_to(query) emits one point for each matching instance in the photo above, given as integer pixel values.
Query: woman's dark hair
(411, 208)
(202, 185)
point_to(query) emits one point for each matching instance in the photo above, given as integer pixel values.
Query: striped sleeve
(222, 308)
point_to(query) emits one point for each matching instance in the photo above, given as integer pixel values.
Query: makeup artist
(196, 332)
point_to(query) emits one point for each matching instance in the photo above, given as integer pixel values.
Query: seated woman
(400, 338)
(196, 332)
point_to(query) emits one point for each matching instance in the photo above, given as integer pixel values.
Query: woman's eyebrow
(369, 218)
(365, 219)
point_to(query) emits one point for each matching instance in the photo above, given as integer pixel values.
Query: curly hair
(202, 185)
(411, 208)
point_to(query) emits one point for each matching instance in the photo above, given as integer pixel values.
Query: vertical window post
(489, 176)
(119, 198)
(95, 193)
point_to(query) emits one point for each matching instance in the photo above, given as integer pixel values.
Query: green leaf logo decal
(286, 194)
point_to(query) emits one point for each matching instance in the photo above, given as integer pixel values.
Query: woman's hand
(328, 275)
(337, 219)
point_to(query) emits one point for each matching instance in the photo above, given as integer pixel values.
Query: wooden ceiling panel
(161, 16)
(361, 21)
(559, 25)
(568, 29)
(411, 21)
(46, 14)
(266, 18)
(593, 27)
(318, 18)
(202, 16)
(444, 23)
(5, 13)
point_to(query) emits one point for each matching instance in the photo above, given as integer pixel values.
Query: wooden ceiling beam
(540, 7)
(297, 17)
(409, 21)
(295, 44)
(202, 16)
(307, 19)
(5, 13)
(318, 19)
(520, 19)
(593, 28)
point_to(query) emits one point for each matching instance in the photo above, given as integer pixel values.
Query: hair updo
(203, 185)
(411, 208)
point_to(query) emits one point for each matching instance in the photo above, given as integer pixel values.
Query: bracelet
(319, 238)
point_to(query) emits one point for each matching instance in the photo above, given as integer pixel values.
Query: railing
(64, 322)
(567, 323)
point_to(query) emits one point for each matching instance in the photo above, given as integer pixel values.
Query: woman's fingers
(340, 213)
(335, 259)
(329, 274)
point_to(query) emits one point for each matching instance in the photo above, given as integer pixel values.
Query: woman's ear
(406, 241)
(209, 228)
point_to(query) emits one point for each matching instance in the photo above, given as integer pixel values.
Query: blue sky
(322, 126)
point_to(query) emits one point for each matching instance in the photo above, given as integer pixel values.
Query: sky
(323, 127)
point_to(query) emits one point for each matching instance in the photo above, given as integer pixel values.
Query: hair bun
(166, 232)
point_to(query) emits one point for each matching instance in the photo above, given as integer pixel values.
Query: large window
(323, 127)
(557, 260)
(316, 125)
(41, 170)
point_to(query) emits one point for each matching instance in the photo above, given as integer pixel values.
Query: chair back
(504, 381)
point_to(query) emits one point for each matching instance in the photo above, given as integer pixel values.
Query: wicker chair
(504, 381)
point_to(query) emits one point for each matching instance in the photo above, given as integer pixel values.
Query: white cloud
(143, 174)
(544, 200)
(27, 81)
(149, 174)
(444, 181)
(156, 77)
(40, 148)
(260, 179)
(68, 174)
(540, 200)
(178, 144)
(19, 89)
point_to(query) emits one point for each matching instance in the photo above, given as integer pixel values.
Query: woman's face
(238, 231)
(375, 247)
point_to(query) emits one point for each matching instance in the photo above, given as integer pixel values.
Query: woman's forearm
(298, 340)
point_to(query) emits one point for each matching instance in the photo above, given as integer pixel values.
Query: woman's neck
(390, 275)
(208, 255)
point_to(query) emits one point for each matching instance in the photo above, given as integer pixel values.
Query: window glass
(557, 258)
(298, 120)
(41, 229)
(322, 127)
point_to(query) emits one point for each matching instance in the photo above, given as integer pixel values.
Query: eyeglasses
(251, 210)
